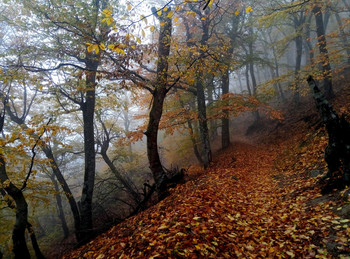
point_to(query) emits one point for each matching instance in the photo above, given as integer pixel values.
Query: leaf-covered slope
(254, 201)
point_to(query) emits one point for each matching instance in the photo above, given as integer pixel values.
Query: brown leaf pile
(253, 202)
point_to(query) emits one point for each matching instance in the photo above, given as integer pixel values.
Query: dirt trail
(237, 209)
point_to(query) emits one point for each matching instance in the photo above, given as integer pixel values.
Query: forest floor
(256, 200)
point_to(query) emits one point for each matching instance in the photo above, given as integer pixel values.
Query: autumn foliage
(256, 200)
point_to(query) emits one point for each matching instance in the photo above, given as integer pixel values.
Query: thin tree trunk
(193, 139)
(276, 69)
(202, 109)
(120, 178)
(212, 123)
(202, 116)
(247, 79)
(35, 245)
(322, 44)
(225, 121)
(343, 36)
(252, 75)
(299, 49)
(61, 215)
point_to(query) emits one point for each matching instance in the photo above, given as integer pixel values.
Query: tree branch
(33, 157)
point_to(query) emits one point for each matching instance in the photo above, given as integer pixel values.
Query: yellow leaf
(143, 33)
(249, 9)
(138, 40)
(107, 12)
(90, 48)
(210, 3)
(120, 51)
(237, 13)
(203, 18)
(102, 46)
(162, 23)
(129, 7)
(152, 28)
(111, 46)
(159, 12)
(165, 9)
(96, 49)
(6, 183)
(170, 14)
(109, 21)
(176, 19)
(177, 8)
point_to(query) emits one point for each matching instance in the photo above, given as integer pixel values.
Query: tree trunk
(35, 245)
(225, 121)
(202, 109)
(299, 49)
(252, 75)
(337, 153)
(88, 109)
(276, 69)
(247, 79)
(202, 116)
(61, 215)
(159, 94)
(343, 36)
(212, 123)
(57, 172)
(192, 136)
(322, 44)
(136, 197)
(66, 190)
(20, 248)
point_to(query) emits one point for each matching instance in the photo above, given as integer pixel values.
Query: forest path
(238, 208)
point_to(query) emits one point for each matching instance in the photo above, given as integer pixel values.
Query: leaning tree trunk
(322, 45)
(159, 94)
(61, 215)
(337, 154)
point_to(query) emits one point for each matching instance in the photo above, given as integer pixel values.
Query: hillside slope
(257, 200)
